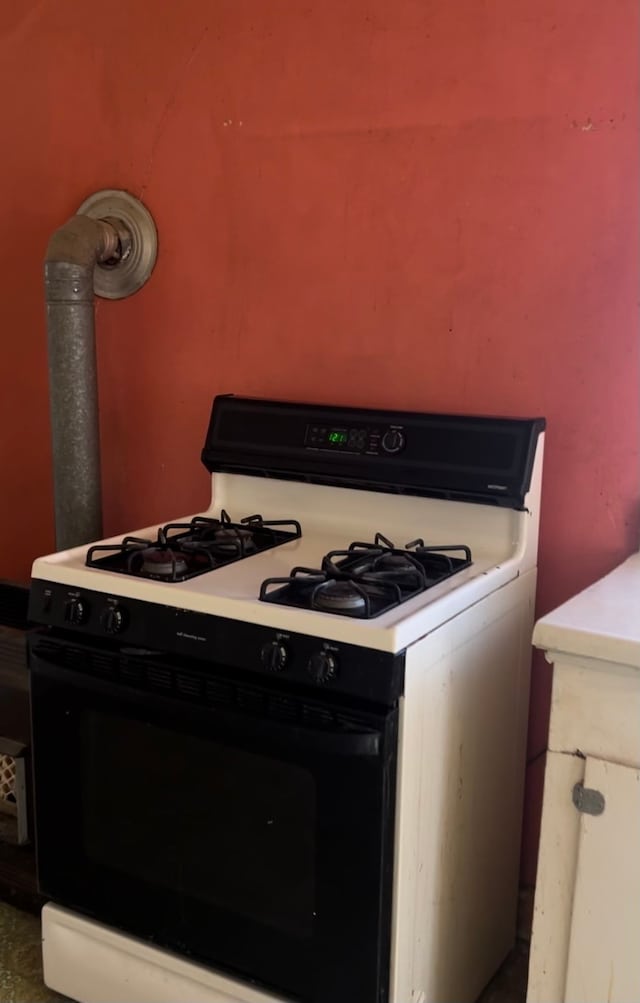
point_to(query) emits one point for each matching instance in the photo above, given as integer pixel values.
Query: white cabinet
(586, 930)
(604, 945)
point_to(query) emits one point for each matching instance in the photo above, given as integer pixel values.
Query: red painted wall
(417, 204)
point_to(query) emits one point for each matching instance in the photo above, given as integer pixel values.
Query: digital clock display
(344, 440)
(337, 437)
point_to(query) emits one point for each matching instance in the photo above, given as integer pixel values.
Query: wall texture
(421, 203)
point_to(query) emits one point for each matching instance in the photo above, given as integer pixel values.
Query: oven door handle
(299, 739)
(330, 742)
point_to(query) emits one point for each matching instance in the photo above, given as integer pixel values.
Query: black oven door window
(232, 829)
(259, 846)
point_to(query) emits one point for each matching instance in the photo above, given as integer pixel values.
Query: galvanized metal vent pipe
(108, 249)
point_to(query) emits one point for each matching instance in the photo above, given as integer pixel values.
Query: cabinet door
(604, 960)
(559, 839)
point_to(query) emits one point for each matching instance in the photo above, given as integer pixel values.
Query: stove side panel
(459, 804)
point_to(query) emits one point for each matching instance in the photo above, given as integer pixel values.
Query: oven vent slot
(47, 649)
(250, 699)
(283, 708)
(75, 658)
(133, 670)
(219, 692)
(189, 685)
(79, 659)
(159, 678)
(318, 716)
(103, 664)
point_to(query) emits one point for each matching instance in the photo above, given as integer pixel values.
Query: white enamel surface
(87, 961)
(587, 904)
(601, 622)
(557, 863)
(595, 707)
(503, 544)
(587, 913)
(604, 960)
(459, 801)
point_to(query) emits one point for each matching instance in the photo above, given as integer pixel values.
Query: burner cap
(338, 596)
(221, 539)
(394, 562)
(228, 538)
(162, 562)
(369, 563)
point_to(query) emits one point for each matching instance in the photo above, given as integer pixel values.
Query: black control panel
(371, 440)
(458, 457)
(109, 622)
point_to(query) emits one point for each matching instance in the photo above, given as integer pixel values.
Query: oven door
(247, 827)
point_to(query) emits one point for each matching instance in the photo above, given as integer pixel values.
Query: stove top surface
(232, 590)
(363, 580)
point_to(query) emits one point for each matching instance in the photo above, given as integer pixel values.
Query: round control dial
(393, 440)
(77, 611)
(115, 619)
(274, 656)
(322, 666)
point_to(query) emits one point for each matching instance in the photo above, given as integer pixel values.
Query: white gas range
(297, 737)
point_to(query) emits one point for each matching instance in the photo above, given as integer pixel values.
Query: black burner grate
(367, 579)
(183, 550)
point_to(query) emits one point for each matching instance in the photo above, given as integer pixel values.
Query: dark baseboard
(14, 601)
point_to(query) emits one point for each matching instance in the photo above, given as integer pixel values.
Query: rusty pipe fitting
(83, 241)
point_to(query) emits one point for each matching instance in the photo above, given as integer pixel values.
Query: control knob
(274, 656)
(114, 619)
(322, 666)
(393, 440)
(77, 611)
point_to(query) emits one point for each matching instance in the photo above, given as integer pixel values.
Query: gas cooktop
(183, 550)
(367, 579)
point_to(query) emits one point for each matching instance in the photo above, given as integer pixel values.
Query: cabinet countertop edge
(602, 621)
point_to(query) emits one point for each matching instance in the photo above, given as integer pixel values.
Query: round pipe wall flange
(127, 271)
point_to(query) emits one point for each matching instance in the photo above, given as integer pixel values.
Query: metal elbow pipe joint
(109, 249)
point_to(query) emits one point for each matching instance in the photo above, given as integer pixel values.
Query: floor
(21, 968)
(510, 984)
(20, 959)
